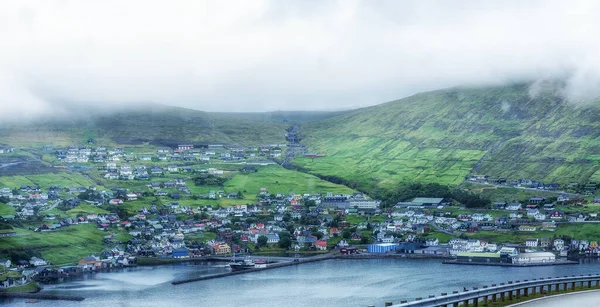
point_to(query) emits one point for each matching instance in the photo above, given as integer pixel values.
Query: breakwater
(41, 296)
(270, 266)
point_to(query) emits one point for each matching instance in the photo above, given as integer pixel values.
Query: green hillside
(442, 136)
(158, 125)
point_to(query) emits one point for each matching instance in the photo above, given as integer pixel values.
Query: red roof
(321, 243)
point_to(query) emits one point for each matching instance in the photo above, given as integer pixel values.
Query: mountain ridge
(440, 136)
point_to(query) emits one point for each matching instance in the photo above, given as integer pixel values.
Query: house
(116, 201)
(432, 242)
(545, 242)
(527, 228)
(514, 207)
(559, 244)
(321, 245)
(579, 218)
(356, 236)
(5, 263)
(180, 253)
(557, 214)
(499, 205)
(549, 226)
(221, 249)
(536, 200)
(272, 238)
(35, 261)
(531, 242)
(132, 196)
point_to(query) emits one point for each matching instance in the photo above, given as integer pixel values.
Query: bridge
(500, 292)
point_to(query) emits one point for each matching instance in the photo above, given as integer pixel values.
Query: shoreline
(283, 263)
(524, 265)
(41, 296)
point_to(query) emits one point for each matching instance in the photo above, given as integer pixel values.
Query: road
(10, 164)
(52, 207)
(579, 299)
(440, 229)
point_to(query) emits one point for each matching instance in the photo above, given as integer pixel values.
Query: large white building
(538, 257)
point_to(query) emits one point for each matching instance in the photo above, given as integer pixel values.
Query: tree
(285, 242)
(262, 241)
(308, 204)
(240, 195)
(317, 234)
(346, 234)
(364, 240)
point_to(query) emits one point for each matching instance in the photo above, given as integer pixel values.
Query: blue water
(327, 283)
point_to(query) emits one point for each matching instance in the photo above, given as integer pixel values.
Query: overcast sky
(284, 55)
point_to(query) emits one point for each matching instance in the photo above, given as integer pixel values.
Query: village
(162, 217)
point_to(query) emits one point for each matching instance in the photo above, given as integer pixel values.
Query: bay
(338, 282)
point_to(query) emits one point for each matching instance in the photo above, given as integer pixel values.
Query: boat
(260, 264)
(246, 264)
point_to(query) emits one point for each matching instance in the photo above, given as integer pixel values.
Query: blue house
(181, 253)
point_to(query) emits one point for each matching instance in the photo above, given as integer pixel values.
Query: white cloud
(268, 55)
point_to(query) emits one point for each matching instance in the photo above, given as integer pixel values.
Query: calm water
(327, 283)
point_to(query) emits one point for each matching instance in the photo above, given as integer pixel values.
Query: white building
(531, 242)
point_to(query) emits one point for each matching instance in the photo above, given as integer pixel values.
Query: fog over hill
(265, 55)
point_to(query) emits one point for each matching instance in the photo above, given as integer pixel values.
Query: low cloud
(283, 55)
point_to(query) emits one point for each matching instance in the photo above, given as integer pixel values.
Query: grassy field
(505, 193)
(277, 179)
(62, 179)
(575, 231)
(85, 209)
(30, 287)
(59, 247)
(6, 209)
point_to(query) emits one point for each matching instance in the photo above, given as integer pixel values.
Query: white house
(432, 242)
(35, 261)
(531, 242)
(559, 244)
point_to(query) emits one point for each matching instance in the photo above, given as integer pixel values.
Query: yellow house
(221, 249)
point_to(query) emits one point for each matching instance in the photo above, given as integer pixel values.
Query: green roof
(488, 255)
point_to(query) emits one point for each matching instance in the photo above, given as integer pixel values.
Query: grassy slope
(160, 125)
(275, 178)
(280, 180)
(440, 136)
(62, 246)
(62, 179)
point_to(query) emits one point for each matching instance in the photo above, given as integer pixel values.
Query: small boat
(31, 302)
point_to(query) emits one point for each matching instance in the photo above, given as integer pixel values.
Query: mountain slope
(442, 136)
(159, 125)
